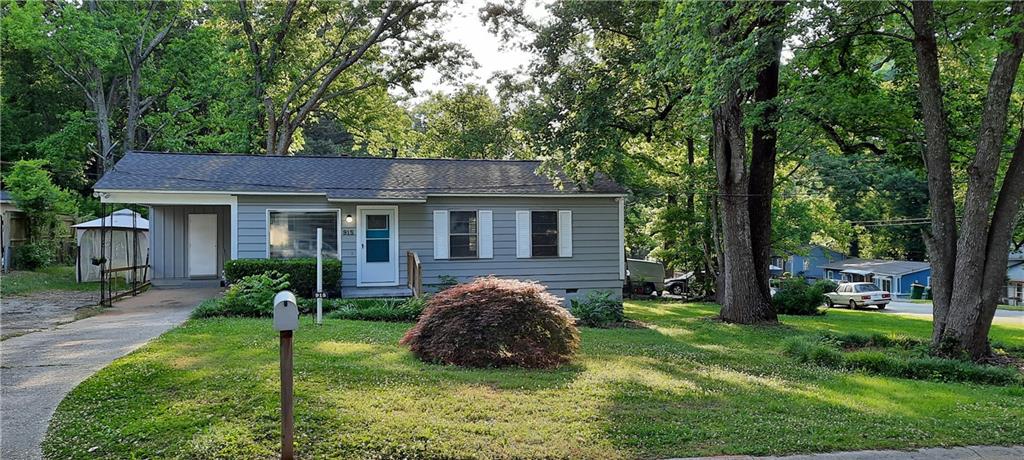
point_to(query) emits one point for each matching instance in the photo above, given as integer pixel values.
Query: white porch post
(319, 275)
(234, 227)
(622, 237)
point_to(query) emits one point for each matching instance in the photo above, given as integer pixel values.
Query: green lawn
(55, 278)
(684, 386)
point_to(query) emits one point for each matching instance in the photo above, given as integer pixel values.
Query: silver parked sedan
(856, 295)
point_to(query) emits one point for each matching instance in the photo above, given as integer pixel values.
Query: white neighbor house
(1015, 279)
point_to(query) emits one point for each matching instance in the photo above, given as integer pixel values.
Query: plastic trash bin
(916, 291)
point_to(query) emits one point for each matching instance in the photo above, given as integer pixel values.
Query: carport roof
(885, 267)
(338, 177)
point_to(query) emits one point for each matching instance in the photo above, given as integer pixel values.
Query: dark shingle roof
(887, 267)
(337, 177)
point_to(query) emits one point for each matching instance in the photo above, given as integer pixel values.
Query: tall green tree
(464, 124)
(969, 261)
(32, 188)
(303, 55)
(732, 51)
(102, 48)
(962, 61)
(851, 125)
(588, 105)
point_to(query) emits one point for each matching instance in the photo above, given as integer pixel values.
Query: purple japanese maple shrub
(492, 322)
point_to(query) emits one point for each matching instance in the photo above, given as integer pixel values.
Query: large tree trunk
(131, 124)
(762, 165)
(1003, 220)
(971, 277)
(100, 102)
(978, 239)
(941, 243)
(743, 299)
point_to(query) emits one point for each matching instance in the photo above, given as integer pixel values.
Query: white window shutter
(440, 235)
(564, 233)
(523, 249)
(485, 234)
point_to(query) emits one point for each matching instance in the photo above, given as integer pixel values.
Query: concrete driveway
(38, 369)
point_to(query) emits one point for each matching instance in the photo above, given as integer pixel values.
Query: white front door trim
(202, 245)
(361, 212)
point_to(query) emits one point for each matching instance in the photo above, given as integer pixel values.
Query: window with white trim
(544, 233)
(462, 235)
(293, 233)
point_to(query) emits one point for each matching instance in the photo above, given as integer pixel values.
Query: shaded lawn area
(55, 278)
(685, 386)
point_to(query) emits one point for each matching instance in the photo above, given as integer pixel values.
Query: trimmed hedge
(301, 273)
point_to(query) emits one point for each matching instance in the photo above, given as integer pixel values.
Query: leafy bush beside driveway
(796, 297)
(301, 273)
(252, 295)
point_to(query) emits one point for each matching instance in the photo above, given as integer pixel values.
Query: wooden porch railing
(415, 279)
(111, 289)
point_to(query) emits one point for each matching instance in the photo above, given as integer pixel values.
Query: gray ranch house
(384, 218)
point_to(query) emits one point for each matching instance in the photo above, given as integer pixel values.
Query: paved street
(925, 310)
(38, 369)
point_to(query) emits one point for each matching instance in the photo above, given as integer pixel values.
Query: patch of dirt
(38, 311)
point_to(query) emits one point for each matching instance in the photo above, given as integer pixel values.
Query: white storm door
(202, 245)
(377, 246)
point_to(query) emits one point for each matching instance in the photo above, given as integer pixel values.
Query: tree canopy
(741, 130)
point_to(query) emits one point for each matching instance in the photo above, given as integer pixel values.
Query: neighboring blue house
(894, 276)
(808, 263)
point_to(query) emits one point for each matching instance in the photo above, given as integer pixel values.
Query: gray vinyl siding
(168, 230)
(595, 238)
(593, 266)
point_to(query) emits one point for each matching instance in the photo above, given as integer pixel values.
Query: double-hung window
(462, 234)
(544, 233)
(293, 233)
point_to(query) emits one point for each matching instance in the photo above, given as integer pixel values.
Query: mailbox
(286, 312)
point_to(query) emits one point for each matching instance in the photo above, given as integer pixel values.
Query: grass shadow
(681, 386)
